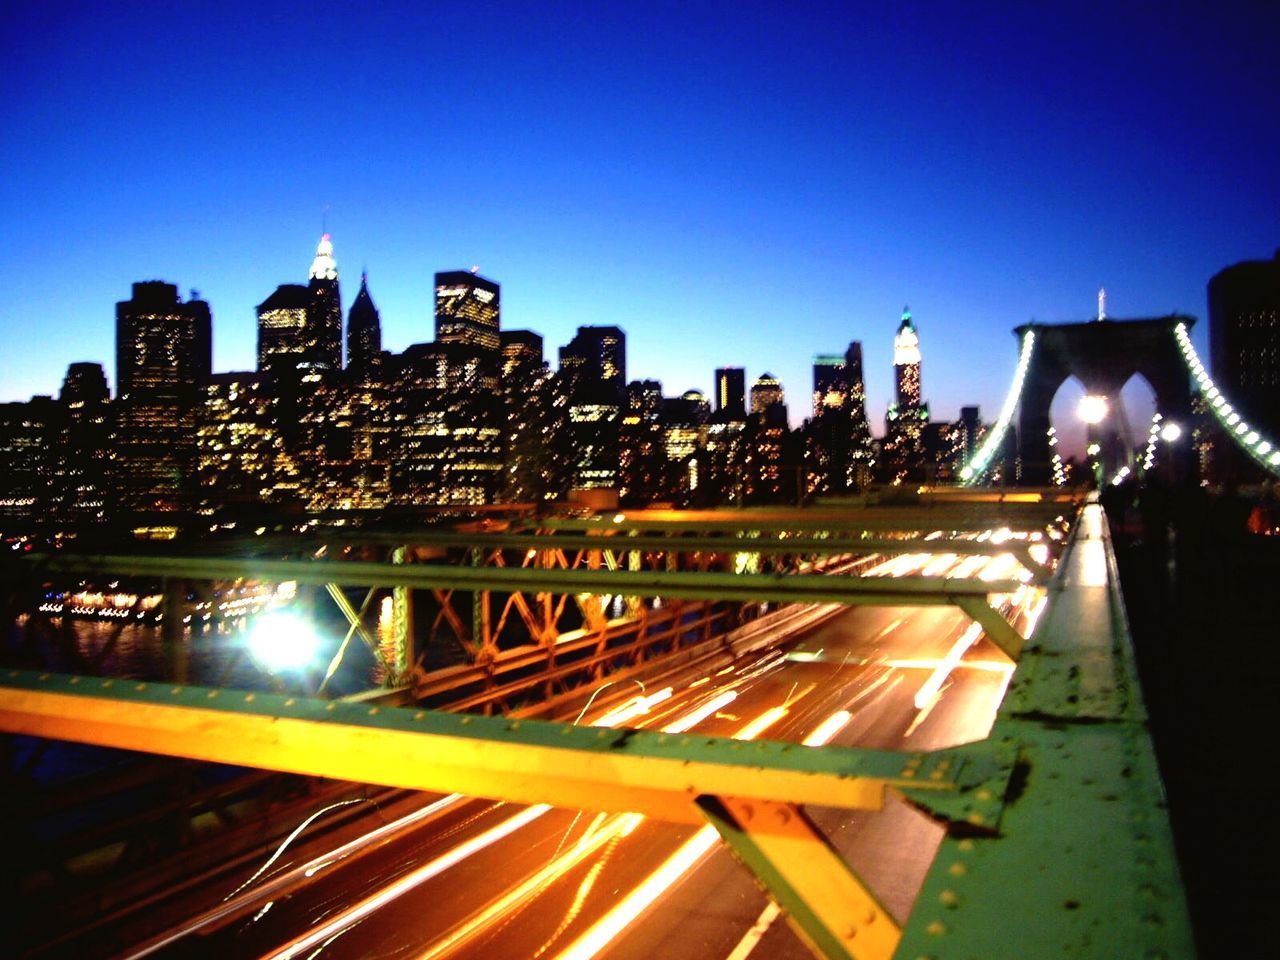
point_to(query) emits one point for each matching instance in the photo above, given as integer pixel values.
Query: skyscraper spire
(324, 267)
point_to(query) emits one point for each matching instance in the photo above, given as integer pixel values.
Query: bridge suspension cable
(976, 468)
(1263, 451)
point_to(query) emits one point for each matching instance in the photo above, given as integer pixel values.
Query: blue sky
(730, 186)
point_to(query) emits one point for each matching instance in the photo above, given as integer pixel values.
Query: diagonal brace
(826, 903)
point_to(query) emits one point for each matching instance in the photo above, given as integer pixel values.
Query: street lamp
(1170, 433)
(1092, 408)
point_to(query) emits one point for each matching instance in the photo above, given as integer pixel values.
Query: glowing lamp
(282, 641)
(1170, 433)
(1092, 408)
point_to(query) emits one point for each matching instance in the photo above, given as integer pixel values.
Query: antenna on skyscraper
(324, 219)
(1102, 303)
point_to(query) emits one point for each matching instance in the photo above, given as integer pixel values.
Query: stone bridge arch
(1102, 355)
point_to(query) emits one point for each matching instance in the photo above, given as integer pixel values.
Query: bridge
(853, 729)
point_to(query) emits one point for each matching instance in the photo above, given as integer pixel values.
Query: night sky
(730, 186)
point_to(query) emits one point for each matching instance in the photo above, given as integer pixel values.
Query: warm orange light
(828, 728)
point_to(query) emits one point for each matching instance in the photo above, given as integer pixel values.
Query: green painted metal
(1068, 826)
(401, 624)
(802, 588)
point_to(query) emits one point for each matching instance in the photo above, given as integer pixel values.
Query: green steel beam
(686, 585)
(606, 539)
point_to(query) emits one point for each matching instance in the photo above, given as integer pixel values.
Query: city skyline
(759, 190)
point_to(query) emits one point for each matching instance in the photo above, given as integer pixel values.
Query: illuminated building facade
(284, 337)
(592, 384)
(766, 393)
(83, 487)
(731, 393)
(839, 454)
(445, 439)
(241, 460)
(300, 327)
(468, 311)
(903, 452)
(324, 310)
(528, 458)
(29, 461)
(906, 363)
(163, 352)
(364, 335)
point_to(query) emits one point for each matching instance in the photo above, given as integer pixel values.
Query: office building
(468, 311)
(731, 393)
(163, 353)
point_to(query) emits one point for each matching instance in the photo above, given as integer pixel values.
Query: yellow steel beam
(524, 761)
(827, 905)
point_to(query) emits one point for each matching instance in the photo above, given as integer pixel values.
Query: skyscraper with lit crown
(906, 362)
(324, 312)
(903, 450)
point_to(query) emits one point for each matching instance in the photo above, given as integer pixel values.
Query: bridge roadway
(500, 880)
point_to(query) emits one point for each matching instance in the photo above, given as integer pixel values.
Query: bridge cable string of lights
(1263, 450)
(976, 468)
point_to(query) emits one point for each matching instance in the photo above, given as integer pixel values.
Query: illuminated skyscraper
(596, 359)
(163, 352)
(521, 351)
(283, 335)
(903, 450)
(766, 392)
(364, 333)
(325, 310)
(731, 393)
(468, 310)
(592, 386)
(301, 327)
(906, 362)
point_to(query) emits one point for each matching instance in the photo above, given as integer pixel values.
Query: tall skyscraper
(364, 333)
(325, 309)
(731, 393)
(284, 335)
(857, 385)
(906, 362)
(521, 351)
(830, 383)
(1244, 339)
(592, 385)
(596, 360)
(903, 449)
(299, 327)
(766, 392)
(468, 310)
(163, 352)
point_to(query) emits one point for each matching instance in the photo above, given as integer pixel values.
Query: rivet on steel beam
(949, 899)
(210, 694)
(936, 929)
(250, 697)
(74, 680)
(957, 869)
(373, 711)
